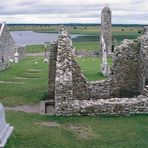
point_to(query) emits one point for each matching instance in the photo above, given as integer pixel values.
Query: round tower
(106, 24)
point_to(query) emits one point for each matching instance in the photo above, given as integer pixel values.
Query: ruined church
(125, 91)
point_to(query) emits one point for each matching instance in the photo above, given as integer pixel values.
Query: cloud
(75, 11)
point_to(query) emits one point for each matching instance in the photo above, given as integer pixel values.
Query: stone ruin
(8, 47)
(125, 91)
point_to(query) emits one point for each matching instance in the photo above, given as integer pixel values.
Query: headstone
(5, 129)
(16, 56)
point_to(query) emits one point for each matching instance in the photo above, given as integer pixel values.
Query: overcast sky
(72, 11)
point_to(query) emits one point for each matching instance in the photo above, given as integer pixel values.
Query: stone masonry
(122, 93)
(8, 48)
(7, 44)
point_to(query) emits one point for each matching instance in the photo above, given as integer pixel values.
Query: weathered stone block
(5, 129)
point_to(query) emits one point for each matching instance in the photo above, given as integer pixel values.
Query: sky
(72, 11)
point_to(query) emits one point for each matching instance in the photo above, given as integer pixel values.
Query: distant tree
(75, 27)
(139, 31)
(131, 29)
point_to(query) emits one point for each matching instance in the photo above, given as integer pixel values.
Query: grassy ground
(72, 132)
(89, 46)
(35, 48)
(78, 132)
(91, 67)
(90, 40)
(89, 30)
(34, 88)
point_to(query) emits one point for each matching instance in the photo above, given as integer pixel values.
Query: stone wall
(22, 52)
(114, 106)
(99, 89)
(127, 69)
(7, 45)
(70, 84)
(119, 94)
(51, 72)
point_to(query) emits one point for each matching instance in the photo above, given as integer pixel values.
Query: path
(26, 108)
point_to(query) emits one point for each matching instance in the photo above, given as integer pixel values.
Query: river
(32, 38)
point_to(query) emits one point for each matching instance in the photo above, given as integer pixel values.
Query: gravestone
(5, 129)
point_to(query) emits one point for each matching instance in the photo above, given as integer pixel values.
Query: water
(33, 38)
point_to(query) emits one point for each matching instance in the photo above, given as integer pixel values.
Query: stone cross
(104, 64)
(5, 129)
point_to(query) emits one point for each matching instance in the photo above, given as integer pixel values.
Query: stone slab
(5, 129)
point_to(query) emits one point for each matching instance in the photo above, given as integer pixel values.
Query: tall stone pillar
(106, 24)
(105, 39)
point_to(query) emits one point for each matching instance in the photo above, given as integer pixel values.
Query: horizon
(76, 11)
(71, 24)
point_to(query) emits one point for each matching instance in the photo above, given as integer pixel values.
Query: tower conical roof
(106, 9)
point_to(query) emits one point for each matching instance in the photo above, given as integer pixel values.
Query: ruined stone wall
(80, 90)
(127, 69)
(52, 71)
(22, 52)
(70, 84)
(114, 106)
(7, 45)
(144, 52)
(99, 89)
(119, 94)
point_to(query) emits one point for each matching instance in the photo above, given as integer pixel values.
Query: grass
(35, 48)
(32, 89)
(89, 30)
(88, 46)
(88, 42)
(91, 67)
(89, 132)
(75, 131)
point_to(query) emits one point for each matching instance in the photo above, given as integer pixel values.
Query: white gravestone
(5, 129)
(16, 56)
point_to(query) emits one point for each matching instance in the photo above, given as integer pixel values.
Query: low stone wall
(3, 66)
(22, 52)
(86, 53)
(114, 106)
(90, 54)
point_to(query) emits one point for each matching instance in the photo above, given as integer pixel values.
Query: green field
(78, 132)
(91, 37)
(34, 88)
(71, 132)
